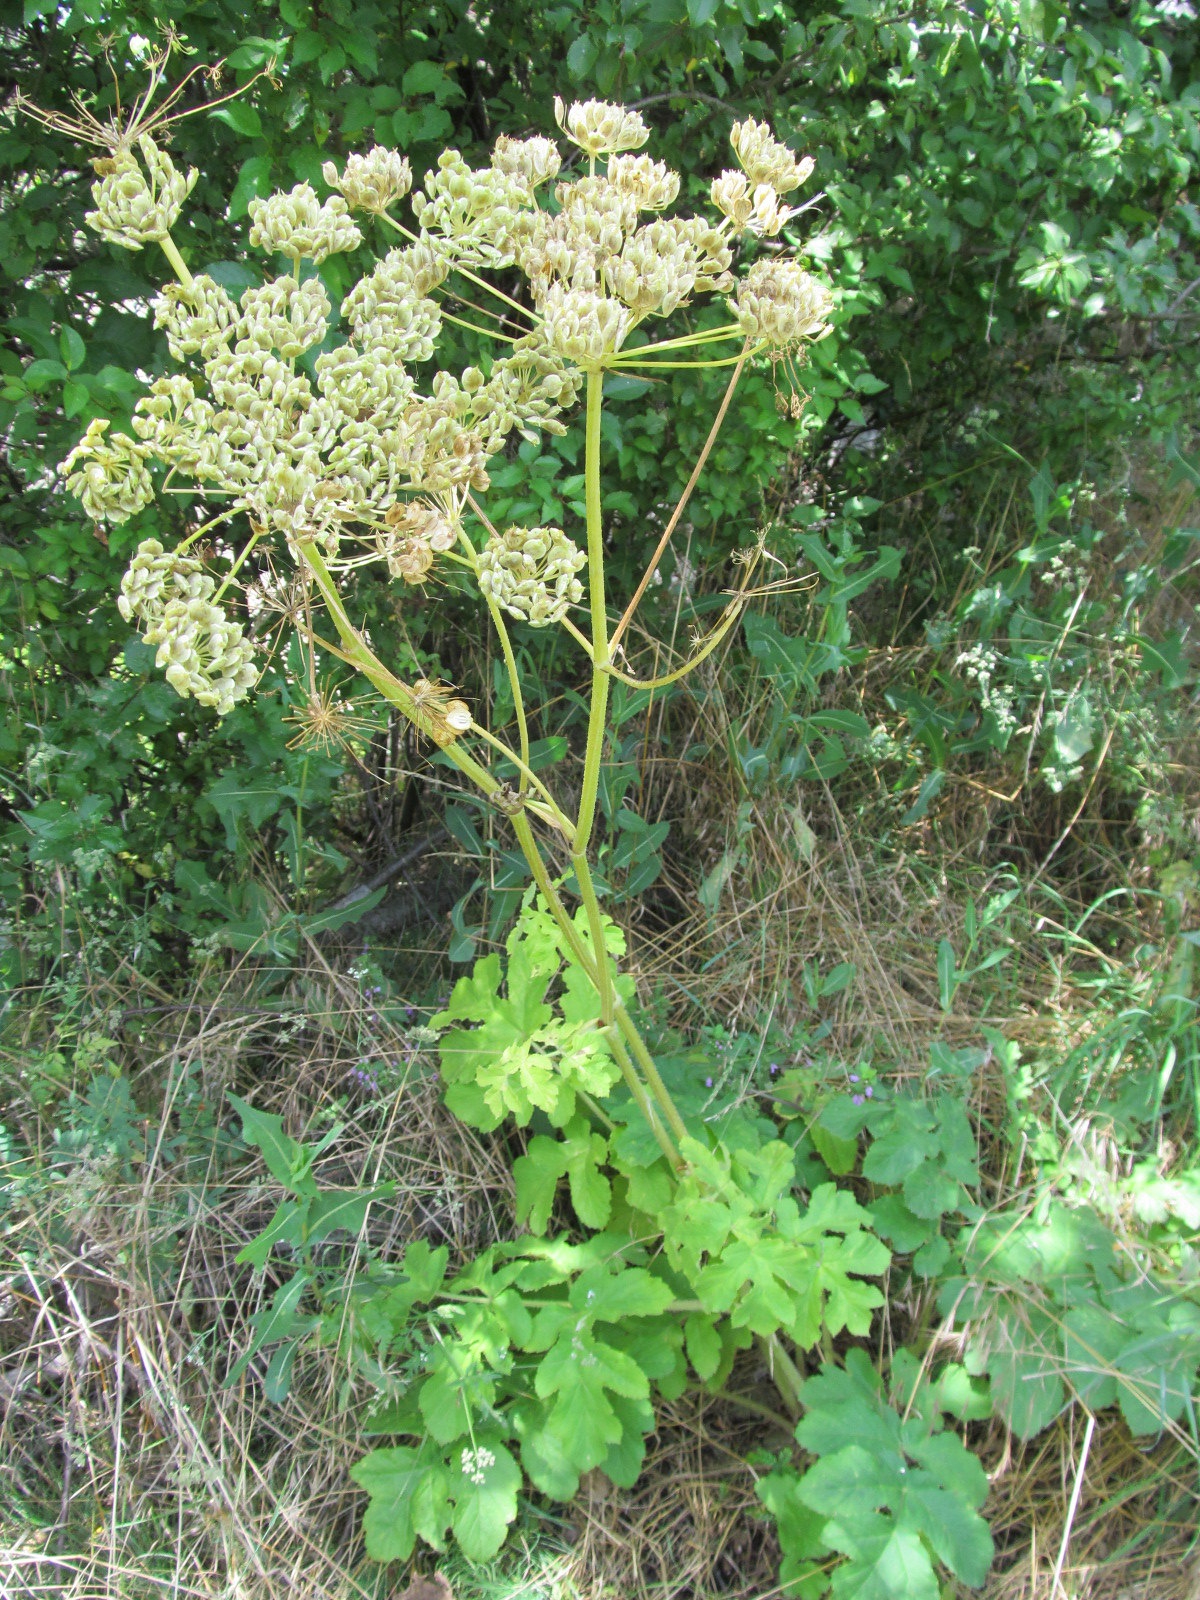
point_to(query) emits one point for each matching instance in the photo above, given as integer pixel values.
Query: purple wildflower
(868, 1091)
(854, 1077)
(856, 1099)
(708, 1083)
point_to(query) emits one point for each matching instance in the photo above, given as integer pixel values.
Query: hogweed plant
(540, 1357)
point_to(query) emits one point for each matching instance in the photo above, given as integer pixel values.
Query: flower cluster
(372, 182)
(108, 474)
(351, 452)
(414, 534)
(299, 226)
(779, 302)
(132, 210)
(203, 653)
(531, 572)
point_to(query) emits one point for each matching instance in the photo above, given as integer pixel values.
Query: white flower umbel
(535, 161)
(765, 160)
(600, 129)
(156, 576)
(372, 182)
(203, 654)
(779, 302)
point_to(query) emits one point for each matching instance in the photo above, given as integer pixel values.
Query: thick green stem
(171, 251)
(598, 718)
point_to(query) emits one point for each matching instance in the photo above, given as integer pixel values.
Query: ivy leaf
(485, 1497)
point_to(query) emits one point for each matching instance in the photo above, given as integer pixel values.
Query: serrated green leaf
(390, 1477)
(536, 1177)
(543, 1457)
(1023, 1363)
(703, 1344)
(485, 1497)
(578, 1371)
(632, 1292)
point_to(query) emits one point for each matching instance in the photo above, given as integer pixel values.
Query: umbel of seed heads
(360, 455)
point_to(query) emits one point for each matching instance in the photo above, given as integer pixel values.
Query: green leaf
(703, 1344)
(241, 117)
(839, 1155)
(1023, 1364)
(614, 1297)
(946, 973)
(546, 1462)
(74, 351)
(277, 1321)
(577, 1372)
(285, 1158)
(581, 56)
(342, 1208)
(485, 1497)
(535, 1176)
(285, 1227)
(391, 1478)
